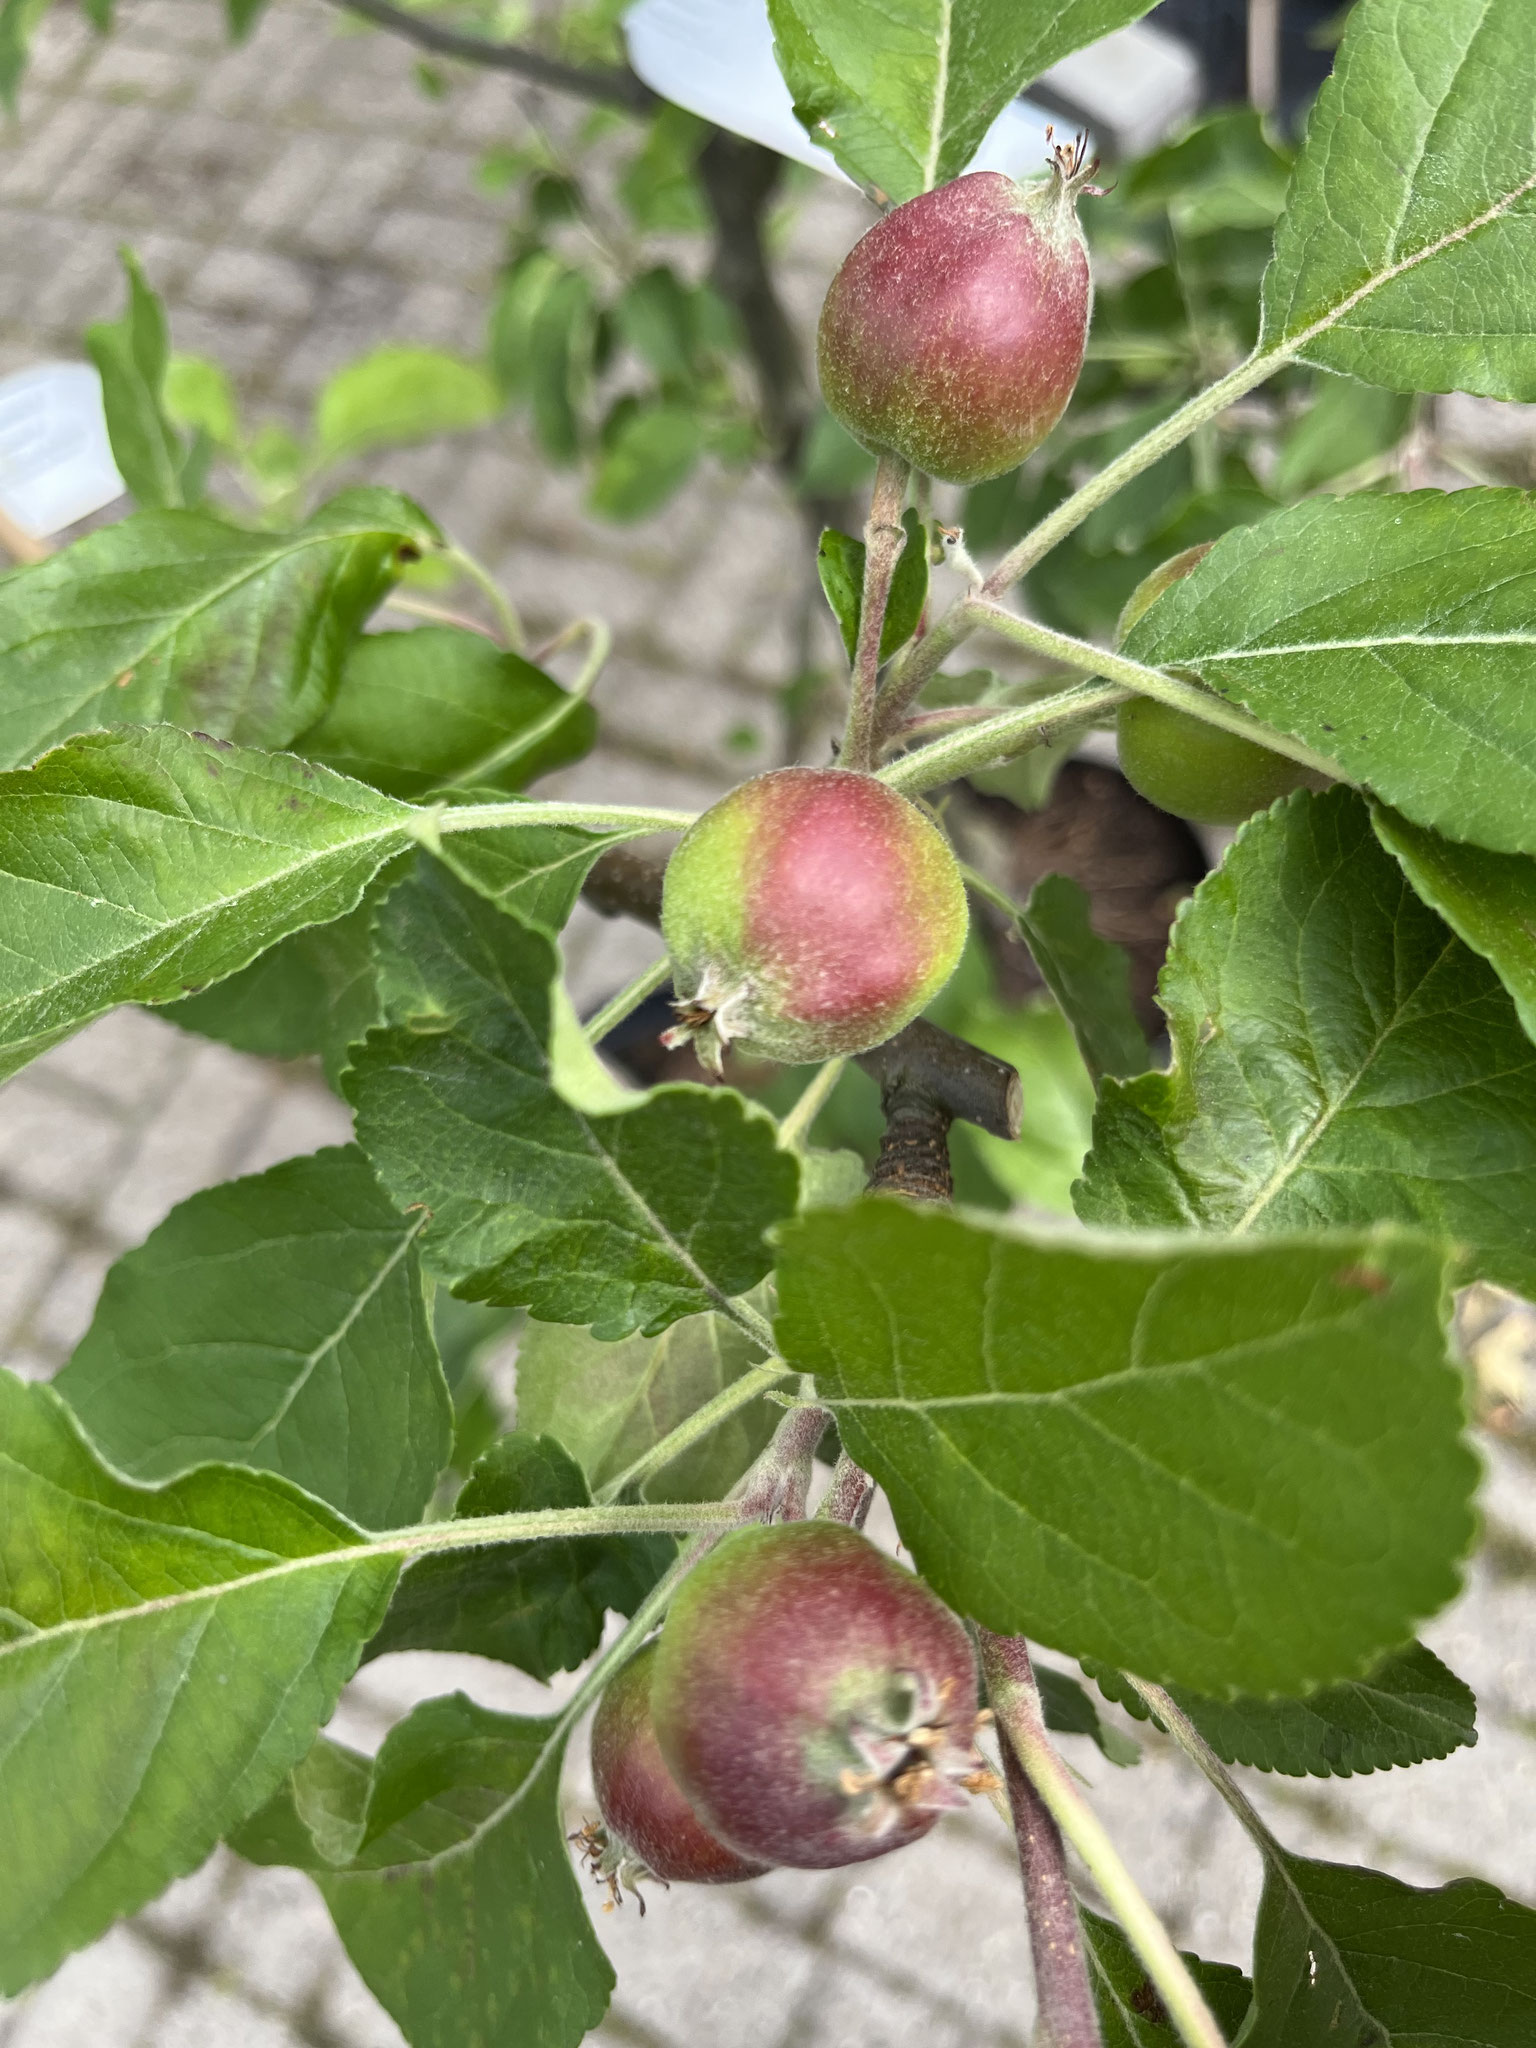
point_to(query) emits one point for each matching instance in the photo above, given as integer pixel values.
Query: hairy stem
(520, 744)
(608, 87)
(501, 604)
(1205, 1760)
(884, 539)
(1015, 1700)
(1068, 2015)
(1152, 447)
(628, 1000)
(779, 1482)
(591, 817)
(475, 1532)
(752, 1385)
(795, 1125)
(849, 1496)
(1150, 682)
(1003, 738)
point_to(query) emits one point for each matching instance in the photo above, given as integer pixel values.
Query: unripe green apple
(954, 332)
(811, 912)
(1178, 761)
(814, 1700)
(649, 1829)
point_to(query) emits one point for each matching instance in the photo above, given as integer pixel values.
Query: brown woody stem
(1068, 2018)
(609, 88)
(884, 539)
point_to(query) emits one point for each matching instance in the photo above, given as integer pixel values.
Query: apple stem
(884, 539)
(850, 1494)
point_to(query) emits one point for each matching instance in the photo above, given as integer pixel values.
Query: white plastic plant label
(55, 458)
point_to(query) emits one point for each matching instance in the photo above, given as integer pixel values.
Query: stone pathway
(298, 201)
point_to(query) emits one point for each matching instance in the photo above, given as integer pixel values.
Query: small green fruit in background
(811, 912)
(649, 1829)
(815, 1701)
(954, 332)
(1180, 763)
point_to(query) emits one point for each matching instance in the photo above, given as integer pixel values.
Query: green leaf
(1349, 1955)
(395, 395)
(903, 103)
(609, 1403)
(1339, 1057)
(1042, 1164)
(132, 355)
(1403, 253)
(312, 993)
(561, 337)
(184, 1645)
(1408, 1709)
(1392, 634)
(648, 459)
(1243, 1458)
(137, 865)
(519, 298)
(242, 16)
(175, 616)
(416, 710)
(1346, 424)
(1131, 2013)
(534, 874)
(840, 562)
(1089, 977)
(459, 1905)
(276, 1322)
(19, 21)
(583, 1206)
(200, 398)
(1069, 1710)
(539, 1606)
(1488, 900)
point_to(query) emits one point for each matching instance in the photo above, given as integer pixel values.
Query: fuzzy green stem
(628, 1000)
(884, 539)
(1150, 682)
(587, 817)
(1210, 1765)
(520, 744)
(501, 604)
(1003, 738)
(795, 1125)
(1016, 1702)
(919, 662)
(475, 1532)
(739, 1394)
(1152, 447)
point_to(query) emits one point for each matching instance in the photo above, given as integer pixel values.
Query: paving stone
(164, 74)
(124, 1059)
(277, 1940)
(31, 1246)
(106, 1994)
(55, 1150)
(438, 245)
(246, 281)
(213, 1112)
(207, 2014)
(356, 199)
(64, 1314)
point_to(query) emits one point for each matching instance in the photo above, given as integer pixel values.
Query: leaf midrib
(186, 925)
(255, 566)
